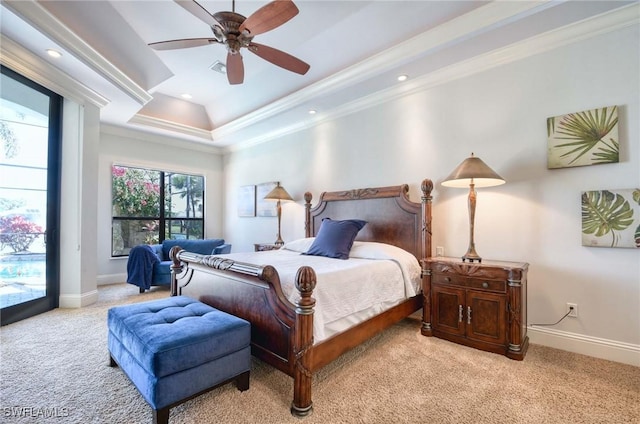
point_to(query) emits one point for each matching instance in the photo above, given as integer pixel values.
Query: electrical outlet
(572, 309)
(439, 251)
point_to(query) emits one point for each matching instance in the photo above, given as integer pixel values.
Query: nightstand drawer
(449, 280)
(499, 286)
(492, 285)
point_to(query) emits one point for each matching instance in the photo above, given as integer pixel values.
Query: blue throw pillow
(335, 238)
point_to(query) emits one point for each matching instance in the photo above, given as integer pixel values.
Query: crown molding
(127, 132)
(21, 60)
(164, 124)
(582, 30)
(37, 16)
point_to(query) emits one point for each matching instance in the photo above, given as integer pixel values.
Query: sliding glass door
(30, 122)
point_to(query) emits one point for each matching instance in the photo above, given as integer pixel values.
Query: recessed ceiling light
(186, 96)
(403, 78)
(312, 112)
(54, 53)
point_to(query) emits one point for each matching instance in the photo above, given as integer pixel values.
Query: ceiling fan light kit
(237, 32)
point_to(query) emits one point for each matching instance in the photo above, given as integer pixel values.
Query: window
(149, 206)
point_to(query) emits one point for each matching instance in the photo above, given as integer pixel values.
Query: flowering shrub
(136, 192)
(151, 228)
(18, 233)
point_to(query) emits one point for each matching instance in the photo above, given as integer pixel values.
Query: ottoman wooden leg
(242, 381)
(161, 416)
(112, 362)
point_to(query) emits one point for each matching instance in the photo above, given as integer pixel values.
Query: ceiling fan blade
(198, 11)
(182, 43)
(235, 68)
(279, 58)
(269, 16)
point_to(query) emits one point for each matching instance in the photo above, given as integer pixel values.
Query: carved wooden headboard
(391, 217)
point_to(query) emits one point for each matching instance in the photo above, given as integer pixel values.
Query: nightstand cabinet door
(448, 309)
(486, 317)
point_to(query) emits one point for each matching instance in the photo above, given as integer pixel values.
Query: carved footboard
(281, 332)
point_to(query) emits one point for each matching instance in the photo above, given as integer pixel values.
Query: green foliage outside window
(138, 217)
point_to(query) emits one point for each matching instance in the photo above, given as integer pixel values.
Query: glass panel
(127, 233)
(135, 192)
(177, 229)
(184, 195)
(24, 139)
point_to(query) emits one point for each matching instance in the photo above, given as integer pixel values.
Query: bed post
(427, 187)
(307, 214)
(302, 375)
(176, 268)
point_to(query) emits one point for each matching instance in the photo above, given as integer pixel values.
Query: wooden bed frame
(282, 332)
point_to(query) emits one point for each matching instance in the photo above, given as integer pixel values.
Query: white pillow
(300, 245)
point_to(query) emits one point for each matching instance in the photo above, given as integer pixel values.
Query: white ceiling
(355, 48)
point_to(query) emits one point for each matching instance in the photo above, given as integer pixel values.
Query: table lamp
(278, 194)
(472, 172)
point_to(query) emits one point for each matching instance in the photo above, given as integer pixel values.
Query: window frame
(163, 219)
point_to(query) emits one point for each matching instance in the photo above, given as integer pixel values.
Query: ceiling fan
(237, 32)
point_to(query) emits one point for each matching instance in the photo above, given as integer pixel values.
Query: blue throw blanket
(140, 266)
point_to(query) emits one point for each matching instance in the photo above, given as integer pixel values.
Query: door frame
(50, 301)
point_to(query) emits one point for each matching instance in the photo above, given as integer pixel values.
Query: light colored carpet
(59, 360)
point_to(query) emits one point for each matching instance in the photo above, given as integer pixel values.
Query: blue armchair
(150, 265)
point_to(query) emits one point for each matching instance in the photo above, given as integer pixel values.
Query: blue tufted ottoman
(177, 348)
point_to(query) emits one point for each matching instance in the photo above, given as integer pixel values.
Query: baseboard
(111, 279)
(611, 350)
(78, 300)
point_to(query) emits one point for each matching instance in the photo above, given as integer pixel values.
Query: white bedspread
(375, 277)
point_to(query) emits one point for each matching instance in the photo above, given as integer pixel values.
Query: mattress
(375, 278)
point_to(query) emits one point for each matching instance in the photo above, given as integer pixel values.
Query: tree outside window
(150, 206)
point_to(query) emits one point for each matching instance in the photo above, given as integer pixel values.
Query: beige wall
(500, 115)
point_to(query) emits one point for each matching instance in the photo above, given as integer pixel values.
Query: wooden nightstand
(262, 247)
(482, 305)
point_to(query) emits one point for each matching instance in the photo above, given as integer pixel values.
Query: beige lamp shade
(473, 171)
(278, 193)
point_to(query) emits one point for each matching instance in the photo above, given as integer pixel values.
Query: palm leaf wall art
(611, 218)
(583, 138)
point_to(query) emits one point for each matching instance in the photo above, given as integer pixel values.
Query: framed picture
(583, 138)
(265, 207)
(247, 201)
(611, 218)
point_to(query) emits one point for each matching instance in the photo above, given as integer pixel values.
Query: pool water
(12, 270)
(22, 280)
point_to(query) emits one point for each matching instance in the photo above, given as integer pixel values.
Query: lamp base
(471, 259)
(471, 255)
